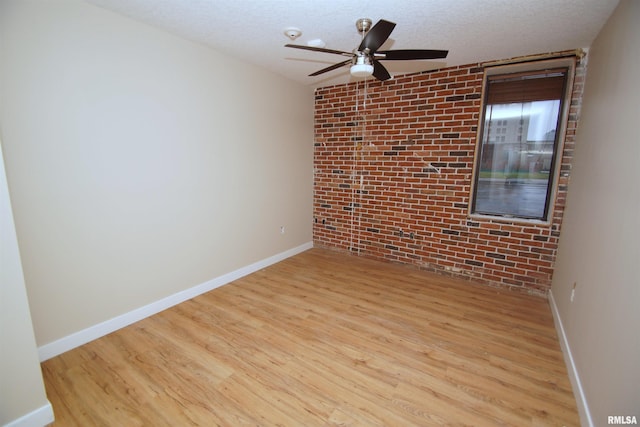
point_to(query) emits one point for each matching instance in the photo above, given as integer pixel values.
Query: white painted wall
(600, 239)
(141, 164)
(23, 401)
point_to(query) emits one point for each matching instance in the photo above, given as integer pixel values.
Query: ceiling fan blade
(332, 67)
(377, 35)
(408, 54)
(380, 72)
(319, 49)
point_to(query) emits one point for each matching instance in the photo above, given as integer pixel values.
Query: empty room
(367, 213)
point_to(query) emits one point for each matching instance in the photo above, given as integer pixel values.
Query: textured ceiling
(472, 30)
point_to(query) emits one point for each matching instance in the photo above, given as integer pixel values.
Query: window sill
(510, 220)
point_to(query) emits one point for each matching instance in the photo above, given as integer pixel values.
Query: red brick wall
(376, 195)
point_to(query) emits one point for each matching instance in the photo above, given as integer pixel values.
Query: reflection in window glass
(518, 148)
(517, 154)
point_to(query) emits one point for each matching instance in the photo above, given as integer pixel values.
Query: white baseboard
(79, 338)
(574, 377)
(40, 417)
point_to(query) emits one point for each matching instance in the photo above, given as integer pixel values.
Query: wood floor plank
(325, 339)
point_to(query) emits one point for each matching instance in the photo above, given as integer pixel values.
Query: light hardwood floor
(325, 339)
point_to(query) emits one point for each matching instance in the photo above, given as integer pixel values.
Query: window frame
(524, 68)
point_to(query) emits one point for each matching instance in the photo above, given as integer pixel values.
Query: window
(522, 125)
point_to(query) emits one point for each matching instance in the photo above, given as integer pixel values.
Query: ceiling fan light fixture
(362, 66)
(361, 70)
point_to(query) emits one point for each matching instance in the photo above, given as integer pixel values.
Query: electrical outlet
(573, 291)
(282, 229)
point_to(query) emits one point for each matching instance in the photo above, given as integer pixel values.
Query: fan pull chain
(353, 172)
(357, 173)
(358, 144)
(362, 145)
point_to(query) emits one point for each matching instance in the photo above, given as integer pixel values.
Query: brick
(414, 121)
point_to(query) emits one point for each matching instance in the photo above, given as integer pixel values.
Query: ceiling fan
(365, 59)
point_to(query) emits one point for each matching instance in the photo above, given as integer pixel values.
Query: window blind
(543, 86)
